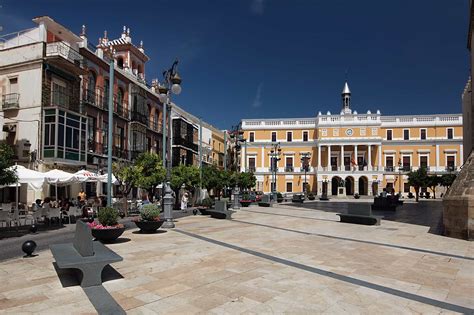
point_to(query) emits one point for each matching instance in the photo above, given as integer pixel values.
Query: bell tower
(346, 99)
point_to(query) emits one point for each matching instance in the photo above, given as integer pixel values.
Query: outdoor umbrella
(58, 177)
(86, 176)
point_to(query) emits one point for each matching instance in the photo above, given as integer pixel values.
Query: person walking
(184, 202)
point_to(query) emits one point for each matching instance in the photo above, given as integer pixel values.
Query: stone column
(369, 157)
(329, 158)
(355, 156)
(342, 158)
(356, 185)
(437, 157)
(319, 157)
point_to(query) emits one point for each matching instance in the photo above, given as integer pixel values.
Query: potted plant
(108, 229)
(245, 202)
(356, 196)
(149, 220)
(205, 204)
(311, 196)
(279, 197)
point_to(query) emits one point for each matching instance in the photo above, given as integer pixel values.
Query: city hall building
(364, 152)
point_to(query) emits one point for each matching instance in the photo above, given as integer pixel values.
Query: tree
(127, 175)
(418, 179)
(246, 180)
(432, 182)
(211, 179)
(150, 171)
(447, 180)
(7, 174)
(187, 175)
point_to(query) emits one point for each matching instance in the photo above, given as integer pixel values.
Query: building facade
(55, 87)
(362, 152)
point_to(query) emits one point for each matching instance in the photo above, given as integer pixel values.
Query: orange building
(363, 152)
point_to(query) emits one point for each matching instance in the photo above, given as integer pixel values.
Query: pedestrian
(184, 202)
(82, 195)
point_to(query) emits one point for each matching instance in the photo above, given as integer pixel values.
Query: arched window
(120, 101)
(90, 94)
(120, 62)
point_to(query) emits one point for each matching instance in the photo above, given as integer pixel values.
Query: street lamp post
(275, 153)
(399, 177)
(171, 82)
(305, 167)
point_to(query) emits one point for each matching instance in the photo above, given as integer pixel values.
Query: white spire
(346, 89)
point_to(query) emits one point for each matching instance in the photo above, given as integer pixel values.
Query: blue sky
(275, 58)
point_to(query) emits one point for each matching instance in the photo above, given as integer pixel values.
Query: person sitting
(384, 192)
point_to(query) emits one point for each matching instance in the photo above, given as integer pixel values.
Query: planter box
(203, 210)
(264, 204)
(107, 235)
(149, 226)
(245, 203)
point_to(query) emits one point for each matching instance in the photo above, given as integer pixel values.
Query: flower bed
(245, 203)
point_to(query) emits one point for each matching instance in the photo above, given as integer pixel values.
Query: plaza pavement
(264, 261)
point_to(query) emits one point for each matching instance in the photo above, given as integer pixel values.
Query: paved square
(265, 260)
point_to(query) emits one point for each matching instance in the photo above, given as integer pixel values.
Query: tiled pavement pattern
(297, 262)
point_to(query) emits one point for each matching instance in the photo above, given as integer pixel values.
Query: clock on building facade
(349, 132)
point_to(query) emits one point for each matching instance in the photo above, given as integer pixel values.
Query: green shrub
(150, 212)
(207, 202)
(245, 196)
(279, 195)
(108, 216)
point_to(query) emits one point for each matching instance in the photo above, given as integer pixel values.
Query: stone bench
(90, 257)
(360, 214)
(220, 210)
(297, 198)
(384, 204)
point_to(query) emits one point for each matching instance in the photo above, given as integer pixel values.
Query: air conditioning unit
(23, 150)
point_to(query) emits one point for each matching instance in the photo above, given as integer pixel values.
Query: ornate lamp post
(274, 154)
(171, 82)
(305, 168)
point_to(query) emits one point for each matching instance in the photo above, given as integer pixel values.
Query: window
(324, 132)
(289, 164)
(449, 133)
(252, 164)
(406, 188)
(389, 134)
(335, 132)
(59, 94)
(13, 85)
(289, 187)
(424, 161)
(274, 136)
(406, 162)
(389, 162)
(252, 137)
(305, 136)
(423, 134)
(450, 161)
(289, 136)
(406, 134)
(374, 131)
(362, 131)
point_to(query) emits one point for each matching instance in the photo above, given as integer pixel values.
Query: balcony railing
(157, 126)
(347, 167)
(121, 109)
(65, 51)
(65, 100)
(333, 167)
(11, 101)
(271, 169)
(139, 117)
(250, 169)
(405, 168)
(185, 143)
(289, 168)
(119, 152)
(96, 148)
(451, 168)
(389, 169)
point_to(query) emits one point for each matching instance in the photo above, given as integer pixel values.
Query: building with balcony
(55, 87)
(366, 152)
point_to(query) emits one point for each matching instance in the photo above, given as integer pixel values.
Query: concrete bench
(360, 214)
(384, 204)
(220, 210)
(90, 257)
(297, 198)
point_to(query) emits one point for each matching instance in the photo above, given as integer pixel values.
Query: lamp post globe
(176, 89)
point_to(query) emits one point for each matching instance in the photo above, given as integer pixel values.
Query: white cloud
(257, 7)
(257, 101)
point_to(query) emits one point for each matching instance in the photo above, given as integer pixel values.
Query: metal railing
(334, 168)
(65, 51)
(139, 117)
(250, 169)
(289, 168)
(389, 169)
(119, 152)
(185, 143)
(405, 168)
(64, 100)
(11, 101)
(451, 168)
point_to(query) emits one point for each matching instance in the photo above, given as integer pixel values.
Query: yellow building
(363, 152)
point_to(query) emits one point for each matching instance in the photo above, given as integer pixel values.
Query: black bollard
(28, 248)
(33, 228)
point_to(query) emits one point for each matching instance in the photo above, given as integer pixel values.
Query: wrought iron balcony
(250, 169)
(64, 99)
(185, 143)
(347, 167)
(139, 117)
(120, 152)
(121, 110)
(389, 169)
(11, 101)
(451, 168)
(289, 168)
(334, 168)
(405, 168)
